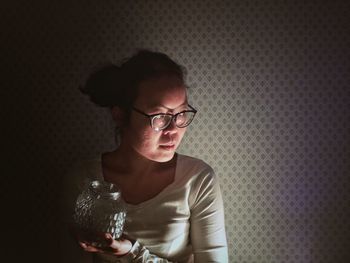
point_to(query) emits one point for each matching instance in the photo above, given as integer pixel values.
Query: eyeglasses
(161, 121)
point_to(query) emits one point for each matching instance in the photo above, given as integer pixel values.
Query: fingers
(110, 241)
(121, 246)
(94, 242)
(89, 248)
(110, 245)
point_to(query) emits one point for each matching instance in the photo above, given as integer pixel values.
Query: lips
(167, 143)
(168, 146)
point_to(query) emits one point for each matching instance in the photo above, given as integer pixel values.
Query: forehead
(164, 91)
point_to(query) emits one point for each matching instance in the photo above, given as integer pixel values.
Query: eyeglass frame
(173, 116)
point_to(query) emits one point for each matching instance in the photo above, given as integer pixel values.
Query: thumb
(109, 239)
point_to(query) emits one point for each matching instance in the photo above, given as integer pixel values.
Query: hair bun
(118, 86)
(101, 86)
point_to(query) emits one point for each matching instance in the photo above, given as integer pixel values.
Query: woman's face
(162, 95)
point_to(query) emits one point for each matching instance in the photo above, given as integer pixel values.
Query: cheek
(147, 139)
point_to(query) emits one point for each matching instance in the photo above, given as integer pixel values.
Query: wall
(269, 80)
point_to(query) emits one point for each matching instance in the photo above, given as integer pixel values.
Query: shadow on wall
(40, 40)
(31, 181)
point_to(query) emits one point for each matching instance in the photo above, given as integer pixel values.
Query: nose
(172, 128)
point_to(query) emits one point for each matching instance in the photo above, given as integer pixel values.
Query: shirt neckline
(153, 199)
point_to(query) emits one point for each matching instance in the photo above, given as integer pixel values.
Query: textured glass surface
(100, 209)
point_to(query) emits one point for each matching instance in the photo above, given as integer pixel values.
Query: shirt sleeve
(138, 254)
(208, 236)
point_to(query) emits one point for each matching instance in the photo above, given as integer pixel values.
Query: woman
(174, 204)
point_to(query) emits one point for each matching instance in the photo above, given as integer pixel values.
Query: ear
(118, 116)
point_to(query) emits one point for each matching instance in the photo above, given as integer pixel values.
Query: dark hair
(118, 85)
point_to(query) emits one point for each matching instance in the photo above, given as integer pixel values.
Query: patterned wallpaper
(271, 85)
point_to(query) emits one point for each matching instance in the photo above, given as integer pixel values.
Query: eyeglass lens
(182, 119)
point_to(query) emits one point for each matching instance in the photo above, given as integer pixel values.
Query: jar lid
(104, 189)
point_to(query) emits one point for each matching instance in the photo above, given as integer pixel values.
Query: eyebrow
(164, 107)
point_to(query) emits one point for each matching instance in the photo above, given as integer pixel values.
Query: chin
(165, 157)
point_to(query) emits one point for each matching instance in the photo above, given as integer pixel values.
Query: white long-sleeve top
(183, 223)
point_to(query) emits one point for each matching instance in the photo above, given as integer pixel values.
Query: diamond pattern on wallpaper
(270, 83)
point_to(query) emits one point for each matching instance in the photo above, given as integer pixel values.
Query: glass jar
(100, 209)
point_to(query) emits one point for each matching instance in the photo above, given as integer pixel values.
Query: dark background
(270, 80)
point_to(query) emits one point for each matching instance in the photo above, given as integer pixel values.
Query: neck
(133, 164)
